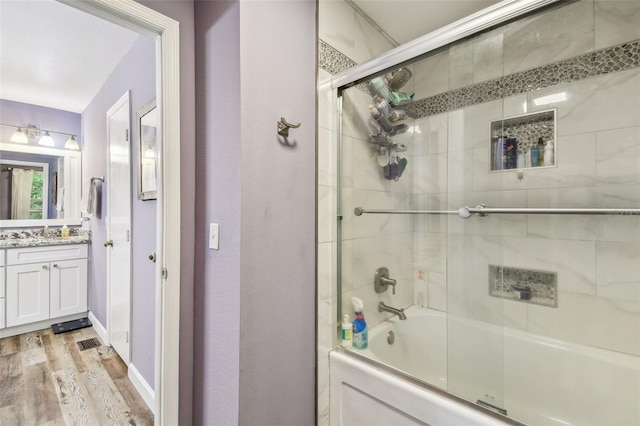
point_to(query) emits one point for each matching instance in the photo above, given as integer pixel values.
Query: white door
(118, 186)
(68, 287)
(27, 293)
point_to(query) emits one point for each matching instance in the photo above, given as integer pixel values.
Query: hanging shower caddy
(386, 113)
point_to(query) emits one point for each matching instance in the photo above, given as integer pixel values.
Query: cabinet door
(68, 287)
(2, 317)
(27, 293)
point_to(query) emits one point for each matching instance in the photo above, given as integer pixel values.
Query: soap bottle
(360, 333)
(380, 119)
(347, 329)
(548, 153)
(397, 115)
(379, 85)
(64, 233)
(382, 105)
(534, 156)
(541, 153)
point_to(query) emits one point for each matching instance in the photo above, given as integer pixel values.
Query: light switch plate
(214, 234)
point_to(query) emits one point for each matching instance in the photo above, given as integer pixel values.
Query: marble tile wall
(596, 259)
(344, 40)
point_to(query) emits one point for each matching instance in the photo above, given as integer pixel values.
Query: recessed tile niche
(519, 142)
(524, 285)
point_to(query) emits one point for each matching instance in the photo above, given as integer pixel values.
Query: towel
(60, 203)
(87, 204)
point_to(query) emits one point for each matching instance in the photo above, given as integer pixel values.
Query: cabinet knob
(55, 265)
(108, 243)
(152, 257)
(45, 267)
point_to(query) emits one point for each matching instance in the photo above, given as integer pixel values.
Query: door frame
(124, 100)
(139, 18)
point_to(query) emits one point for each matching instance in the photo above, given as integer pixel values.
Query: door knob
(152, 257)
(108, 243)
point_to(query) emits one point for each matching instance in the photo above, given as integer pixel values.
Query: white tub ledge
(361, 394)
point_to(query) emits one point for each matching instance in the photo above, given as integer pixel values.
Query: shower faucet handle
(382, 281)
(389, 282)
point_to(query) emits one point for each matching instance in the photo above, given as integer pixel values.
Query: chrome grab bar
(483, 210)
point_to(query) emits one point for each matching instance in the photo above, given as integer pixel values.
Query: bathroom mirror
(39, 186)
(147, 120)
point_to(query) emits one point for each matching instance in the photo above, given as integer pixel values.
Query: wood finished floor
(46, 380)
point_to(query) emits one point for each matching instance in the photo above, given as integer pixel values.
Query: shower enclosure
(506, 209)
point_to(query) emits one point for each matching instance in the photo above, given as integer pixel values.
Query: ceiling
(56, 56)
(406, 20)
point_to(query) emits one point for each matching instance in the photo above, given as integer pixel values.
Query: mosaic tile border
(605, 61)
(331, 60)
(510, 283)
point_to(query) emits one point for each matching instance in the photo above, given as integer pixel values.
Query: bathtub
(537, 380)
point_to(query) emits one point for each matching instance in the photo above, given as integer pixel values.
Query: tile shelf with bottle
(521, 142)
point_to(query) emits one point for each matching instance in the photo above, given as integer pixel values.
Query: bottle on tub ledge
(360, 334)
(347, 330)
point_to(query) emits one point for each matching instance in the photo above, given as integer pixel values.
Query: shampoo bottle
(534, 155)
(360, 332)
(380, 119)
(397, 115)
(541, 153)
(548, 153)
(347, 328)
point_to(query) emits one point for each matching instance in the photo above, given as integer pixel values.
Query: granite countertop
(36, 238)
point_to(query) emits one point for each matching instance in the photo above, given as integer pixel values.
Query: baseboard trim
(99, 328)
(143, 388)
(38, 325)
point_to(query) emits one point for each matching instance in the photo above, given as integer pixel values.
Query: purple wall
(217, 291)
(47, 118)
(22, 114)
(136, 72)
(183, 12)
(255, 297)
(278, 292)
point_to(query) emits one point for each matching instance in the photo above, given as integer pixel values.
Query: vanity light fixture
(72, 143)
(19, 137)
(30, 133)
(46, 140)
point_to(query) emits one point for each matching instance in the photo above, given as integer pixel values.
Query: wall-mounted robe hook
(283, 127)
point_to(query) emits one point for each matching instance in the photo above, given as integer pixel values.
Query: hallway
(47, 379)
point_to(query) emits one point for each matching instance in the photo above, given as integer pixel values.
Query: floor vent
(88, 344)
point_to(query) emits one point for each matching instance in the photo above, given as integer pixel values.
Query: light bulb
(149, 152)
(46, 140)
(19, 136)
(72, 143)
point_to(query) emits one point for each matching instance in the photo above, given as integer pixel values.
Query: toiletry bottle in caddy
(360, 332)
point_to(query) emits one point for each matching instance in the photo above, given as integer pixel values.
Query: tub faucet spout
(385, 308)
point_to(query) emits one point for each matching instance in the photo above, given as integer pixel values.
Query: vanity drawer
(21, 256)
(2, 257)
